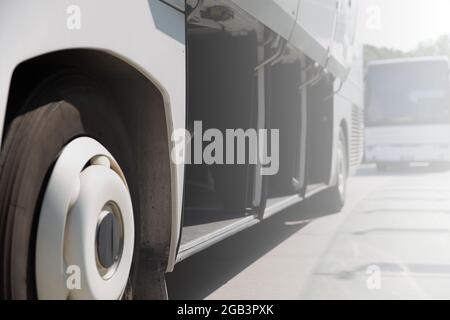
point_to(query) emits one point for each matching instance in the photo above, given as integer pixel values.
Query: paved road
(392, 240)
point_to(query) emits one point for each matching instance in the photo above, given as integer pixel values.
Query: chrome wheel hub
(109, 240)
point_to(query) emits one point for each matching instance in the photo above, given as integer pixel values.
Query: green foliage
(439, 47)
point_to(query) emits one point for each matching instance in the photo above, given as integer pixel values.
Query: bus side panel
(278, 15)
(152, 40)
(349, 112)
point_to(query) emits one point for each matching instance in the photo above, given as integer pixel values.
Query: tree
(438, 47)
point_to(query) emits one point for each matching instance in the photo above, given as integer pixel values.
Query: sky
(402, 24)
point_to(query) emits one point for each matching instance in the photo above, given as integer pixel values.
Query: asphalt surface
(391, 241)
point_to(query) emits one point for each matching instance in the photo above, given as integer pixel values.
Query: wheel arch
(341, 126)
(142, 108)
(344, 127)
(148, 35)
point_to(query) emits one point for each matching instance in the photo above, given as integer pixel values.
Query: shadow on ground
(200, 275)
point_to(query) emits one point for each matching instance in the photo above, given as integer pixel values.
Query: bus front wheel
(334, 197)
(67, 224)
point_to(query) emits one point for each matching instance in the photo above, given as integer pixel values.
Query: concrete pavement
(392, 240)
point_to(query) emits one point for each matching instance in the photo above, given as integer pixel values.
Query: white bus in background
(407, 112)
(91, 93)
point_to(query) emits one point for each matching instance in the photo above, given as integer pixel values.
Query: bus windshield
(408, 93)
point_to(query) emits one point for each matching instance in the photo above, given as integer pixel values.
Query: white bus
(93, 95)
(408, 111)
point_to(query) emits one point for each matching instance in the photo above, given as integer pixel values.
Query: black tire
(334, 197)
(62, 108)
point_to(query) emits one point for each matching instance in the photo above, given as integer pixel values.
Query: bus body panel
(152, 40)
(408, 110)
(278, 15)
(329, 43)
(349, 111)
(343, 48)
(408, 143)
